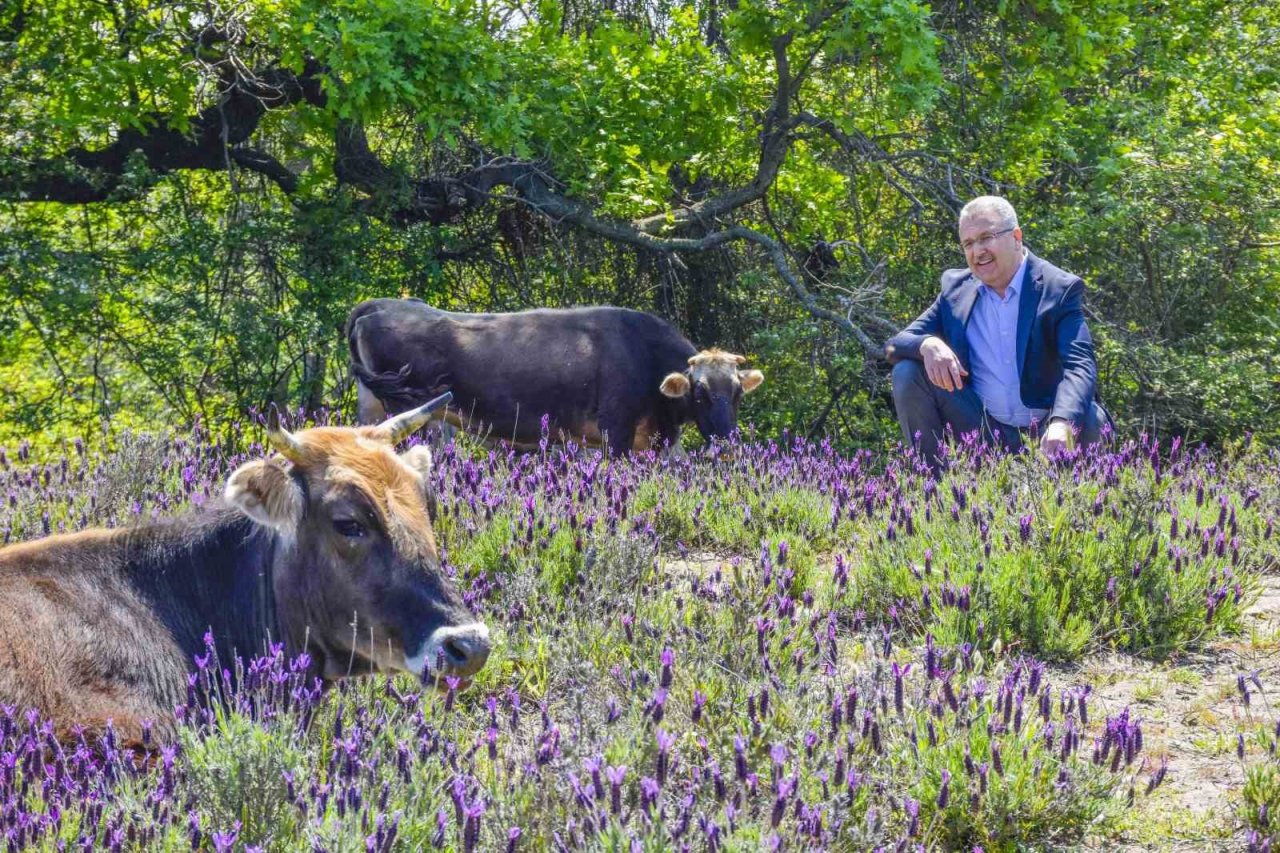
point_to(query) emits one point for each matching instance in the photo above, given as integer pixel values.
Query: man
(1003, 349)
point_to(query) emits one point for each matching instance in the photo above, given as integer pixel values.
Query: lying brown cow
(328, 549)
(604, 376)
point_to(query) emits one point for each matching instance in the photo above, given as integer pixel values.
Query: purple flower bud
(665, 742)
(615, 775)
(699, 701)
(649, 792)
(898, 674)
(912, 808)
(1158, 777)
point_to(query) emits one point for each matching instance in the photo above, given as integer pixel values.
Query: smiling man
(1003, 349)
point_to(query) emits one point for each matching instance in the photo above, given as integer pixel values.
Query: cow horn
(401, 426)
(281, 439)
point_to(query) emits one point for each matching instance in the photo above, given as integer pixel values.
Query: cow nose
(464, 649)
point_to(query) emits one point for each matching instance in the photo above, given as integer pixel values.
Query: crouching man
(1003, 350)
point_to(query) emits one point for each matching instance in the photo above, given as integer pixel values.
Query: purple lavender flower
(665, 742)
(899, 673)
(912, 808)
(226, 841)
(699, 701)
(944, 790)
(668, 663)
(649, 792)
(615, 775)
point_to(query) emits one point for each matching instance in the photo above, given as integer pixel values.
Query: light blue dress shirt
(992, 334)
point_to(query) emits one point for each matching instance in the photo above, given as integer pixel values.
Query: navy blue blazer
(1056, 365)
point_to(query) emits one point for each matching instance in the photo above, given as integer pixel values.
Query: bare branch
(861, 146)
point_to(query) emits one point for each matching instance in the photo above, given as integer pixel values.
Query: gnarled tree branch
(83, 175)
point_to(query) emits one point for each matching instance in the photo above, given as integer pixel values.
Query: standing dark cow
(326, 548)
(605, 376)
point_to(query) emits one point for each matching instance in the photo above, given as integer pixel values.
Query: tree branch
(264, 164)
(775, 142)
(862, 146)
(83, 176)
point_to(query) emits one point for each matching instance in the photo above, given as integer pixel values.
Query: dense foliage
(764, 645)
(193, 195)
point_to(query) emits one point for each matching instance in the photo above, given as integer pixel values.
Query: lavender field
(762, 646)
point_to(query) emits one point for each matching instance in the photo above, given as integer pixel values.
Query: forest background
(194, 194)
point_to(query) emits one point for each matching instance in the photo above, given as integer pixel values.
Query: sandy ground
(1192, 713)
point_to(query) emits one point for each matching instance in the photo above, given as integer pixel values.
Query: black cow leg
(668, 440)
(621, 439)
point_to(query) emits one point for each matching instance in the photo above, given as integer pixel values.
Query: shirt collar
(1015, 283)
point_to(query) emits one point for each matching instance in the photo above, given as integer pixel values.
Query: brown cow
(326, 548)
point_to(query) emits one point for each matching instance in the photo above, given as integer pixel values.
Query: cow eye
(349, 528)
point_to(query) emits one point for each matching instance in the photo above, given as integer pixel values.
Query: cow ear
(265, 492)
(418, 458)
(675, 385)
(750, 380)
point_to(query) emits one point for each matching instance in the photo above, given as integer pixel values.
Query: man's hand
(1057, 437)
(941, 365)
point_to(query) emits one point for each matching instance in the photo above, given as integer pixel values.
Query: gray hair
(992, 204)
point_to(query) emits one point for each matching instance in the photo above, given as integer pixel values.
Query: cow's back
(78, 643)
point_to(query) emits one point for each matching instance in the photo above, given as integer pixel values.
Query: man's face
(993, 251)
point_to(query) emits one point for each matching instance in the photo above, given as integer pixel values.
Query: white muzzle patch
(460, 650)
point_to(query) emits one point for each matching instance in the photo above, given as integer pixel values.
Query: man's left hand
(1057, 438)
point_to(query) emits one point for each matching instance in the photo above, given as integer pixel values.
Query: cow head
(360, 576)
(711, 389)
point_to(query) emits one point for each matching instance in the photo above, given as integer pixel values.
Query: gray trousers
(925, 411)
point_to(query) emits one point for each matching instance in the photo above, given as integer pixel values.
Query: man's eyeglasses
(984, 241)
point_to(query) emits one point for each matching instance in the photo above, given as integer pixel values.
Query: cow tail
(392, 387)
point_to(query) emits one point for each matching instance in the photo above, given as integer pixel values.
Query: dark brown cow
(604, 376)
(326, 548)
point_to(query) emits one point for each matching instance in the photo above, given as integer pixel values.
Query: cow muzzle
(459, 651)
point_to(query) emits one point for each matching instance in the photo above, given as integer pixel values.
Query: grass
(860, 666)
